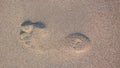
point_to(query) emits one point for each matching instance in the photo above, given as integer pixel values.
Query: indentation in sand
(27, 29)
(38, 40)
(26, 32)
(77, 41)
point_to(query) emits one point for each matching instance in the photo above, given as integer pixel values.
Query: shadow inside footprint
(26, 23)
(77, 40)
(78, 35)
(22, 32)
(39, 24)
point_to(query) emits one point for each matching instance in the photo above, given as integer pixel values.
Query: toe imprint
(26, 32)
(25, 36)
(27, 29)
(26, 23)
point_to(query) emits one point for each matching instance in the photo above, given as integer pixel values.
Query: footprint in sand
(78, 42)
(26, 31)
(75, 41)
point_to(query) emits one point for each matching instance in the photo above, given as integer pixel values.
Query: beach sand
(59, 34)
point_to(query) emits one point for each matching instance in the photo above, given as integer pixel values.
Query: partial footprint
(24, 36)
(27, 27)
(77, 41)
(26, 32)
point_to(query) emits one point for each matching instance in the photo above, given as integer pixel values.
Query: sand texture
(59, 33)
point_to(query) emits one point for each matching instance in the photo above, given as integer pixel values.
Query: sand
(59, 34)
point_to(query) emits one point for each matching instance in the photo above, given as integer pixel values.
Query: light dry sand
(99, 20)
